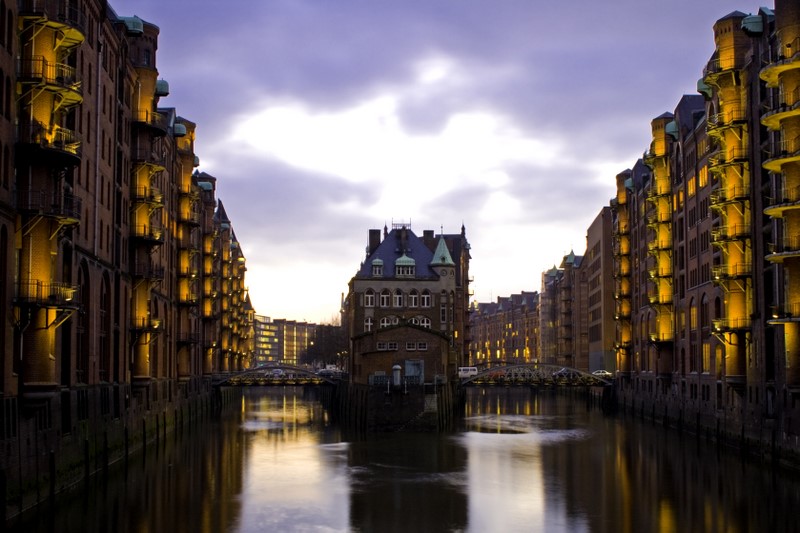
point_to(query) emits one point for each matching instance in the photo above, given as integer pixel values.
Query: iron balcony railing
(40, 70)
(55, 10)
(51, 138)
(47, 294)
(56, 204)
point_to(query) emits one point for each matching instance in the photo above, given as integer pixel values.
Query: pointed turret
(441, 257)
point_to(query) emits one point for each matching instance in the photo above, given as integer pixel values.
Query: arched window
(413, 298)
(385, 297)
(705, 321)
(425, 322)
(83, 327)
(368, 324)
(388, 321)
(369, 298)
(425, 301)
(103, 333)
(398, 298)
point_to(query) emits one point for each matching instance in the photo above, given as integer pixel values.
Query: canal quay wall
(752, 433)
(52, 454)
(372, 408)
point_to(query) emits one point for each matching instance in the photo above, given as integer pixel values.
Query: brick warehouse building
(705, 244)
(408, 304)
(122, 288)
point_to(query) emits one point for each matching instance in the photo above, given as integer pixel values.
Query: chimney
(427, 238)
(374, 240)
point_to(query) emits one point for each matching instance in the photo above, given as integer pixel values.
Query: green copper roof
(404, 260)
(442, 255)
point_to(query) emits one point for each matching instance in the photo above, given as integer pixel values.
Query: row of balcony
(786, 151)
(54, 204)
(66, 17)
(728, 118)
(727, 195)
(58, 78)
(53, 141)
(789, 59)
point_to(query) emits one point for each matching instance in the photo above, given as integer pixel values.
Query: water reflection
(521, 462)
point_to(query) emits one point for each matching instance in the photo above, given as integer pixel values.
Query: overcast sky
(322, 119)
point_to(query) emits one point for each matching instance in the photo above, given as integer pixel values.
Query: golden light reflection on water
(521, 462)
(290, 465)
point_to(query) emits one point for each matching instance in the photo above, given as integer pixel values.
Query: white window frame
(397, 299)
(422, 346)
(413, 298)
(411, 346)
(385, 298)
(368, 324)
(369, 298)
(425, 299)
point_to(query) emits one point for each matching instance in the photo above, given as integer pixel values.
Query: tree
(328, 346)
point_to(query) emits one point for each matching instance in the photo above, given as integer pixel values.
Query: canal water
(522, 461)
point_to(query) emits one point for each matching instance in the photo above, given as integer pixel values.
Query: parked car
(605, 374)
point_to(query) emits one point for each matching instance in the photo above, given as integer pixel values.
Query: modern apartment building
(293, 339)
(121, 291)
(408, 305)
(265, 333)
(505, 331)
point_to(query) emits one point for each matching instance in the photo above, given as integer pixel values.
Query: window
(369, 298)
(404, 270)
(377, 269)
(413, 299)
(385, 297)
(411, 346)
(398, 298)
(426, 299)
(391, 346)
(424, 321)
(368, 324)
(422, 346)
(387, 321)
(382, 346)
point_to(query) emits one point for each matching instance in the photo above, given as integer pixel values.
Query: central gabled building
(407, 305)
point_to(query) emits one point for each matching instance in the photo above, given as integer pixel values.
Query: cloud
(324, 119)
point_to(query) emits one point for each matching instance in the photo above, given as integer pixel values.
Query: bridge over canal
(532, 374)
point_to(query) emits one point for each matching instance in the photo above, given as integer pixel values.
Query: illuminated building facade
(408, 305)
(563, 315)
(266, 345)
(293, 339)
(505, 332)
(704, 244)
(116, 260)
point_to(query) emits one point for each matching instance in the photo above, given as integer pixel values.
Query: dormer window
(405, 267)
(377, 267)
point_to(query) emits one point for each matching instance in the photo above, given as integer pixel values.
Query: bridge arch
(277, 373)
(535, 373)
